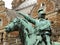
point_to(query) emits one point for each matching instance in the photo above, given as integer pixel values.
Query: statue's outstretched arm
(26, 16)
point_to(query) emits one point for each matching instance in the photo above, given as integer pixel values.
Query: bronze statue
(37, 35)
(41, 26)
(29, 35)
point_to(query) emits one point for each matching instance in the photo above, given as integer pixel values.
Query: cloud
(8, 4)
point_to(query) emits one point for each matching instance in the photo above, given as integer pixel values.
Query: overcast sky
(9, 6)
(8, 3)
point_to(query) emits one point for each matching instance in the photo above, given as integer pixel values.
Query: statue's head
(41, 13)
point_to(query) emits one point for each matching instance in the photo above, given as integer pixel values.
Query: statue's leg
(48, 41)
(31, 40)
(38, 40)
(22, 37)
(44, 39)
(27, 28)
(23, 32)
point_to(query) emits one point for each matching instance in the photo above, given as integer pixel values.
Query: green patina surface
(37, 35)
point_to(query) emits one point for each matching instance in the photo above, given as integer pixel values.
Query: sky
(8, 3)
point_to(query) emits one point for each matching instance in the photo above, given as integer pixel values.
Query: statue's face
(41, 15)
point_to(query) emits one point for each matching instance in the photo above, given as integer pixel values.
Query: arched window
(0, 22)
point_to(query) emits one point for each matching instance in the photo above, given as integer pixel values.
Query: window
(0, 22)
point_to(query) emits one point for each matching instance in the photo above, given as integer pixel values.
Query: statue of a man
(39, 34)
(41, 25)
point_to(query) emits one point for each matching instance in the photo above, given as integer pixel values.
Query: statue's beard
(41, 15)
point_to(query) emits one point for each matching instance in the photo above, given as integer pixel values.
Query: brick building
(6, 15)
